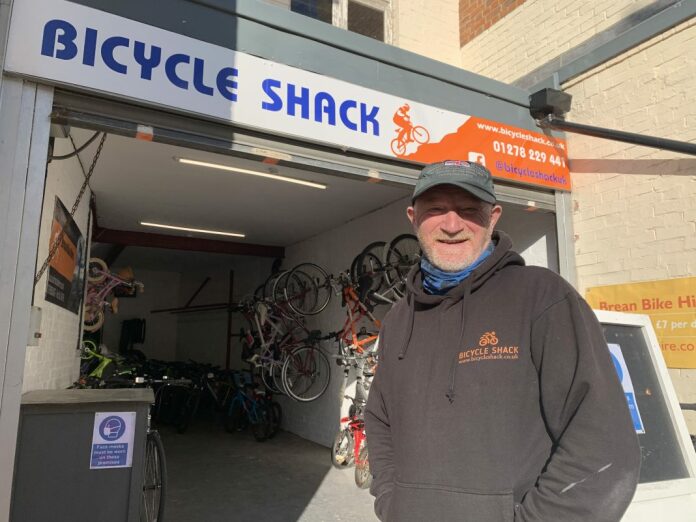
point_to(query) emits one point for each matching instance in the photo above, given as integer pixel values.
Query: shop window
(317, 9)
(366, 20)
(370, 18)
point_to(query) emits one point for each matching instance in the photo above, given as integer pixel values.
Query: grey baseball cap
(470, 176)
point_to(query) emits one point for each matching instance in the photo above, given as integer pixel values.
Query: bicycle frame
(356, 311)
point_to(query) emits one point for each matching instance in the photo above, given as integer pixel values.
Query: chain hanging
(59, 240)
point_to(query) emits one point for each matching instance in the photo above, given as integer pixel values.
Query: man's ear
(496, 212)
(410, 213)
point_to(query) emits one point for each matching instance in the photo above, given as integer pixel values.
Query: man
(496, 398)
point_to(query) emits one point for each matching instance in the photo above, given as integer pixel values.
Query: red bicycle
(350, 444)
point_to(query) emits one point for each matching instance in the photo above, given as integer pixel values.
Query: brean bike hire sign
(71, 44)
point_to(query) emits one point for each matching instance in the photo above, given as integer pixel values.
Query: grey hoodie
(498, 401)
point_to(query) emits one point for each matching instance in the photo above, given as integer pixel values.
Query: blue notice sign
(627, 384)
(112, 440)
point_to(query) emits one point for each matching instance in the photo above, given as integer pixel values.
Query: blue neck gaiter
(438, 282)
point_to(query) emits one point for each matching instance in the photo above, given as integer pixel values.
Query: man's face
(453, 226)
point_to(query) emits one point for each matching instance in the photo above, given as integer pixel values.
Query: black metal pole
(229, 322)
(554, 122)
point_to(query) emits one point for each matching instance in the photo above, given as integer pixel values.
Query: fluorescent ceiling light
(251, 172)
(187, 229)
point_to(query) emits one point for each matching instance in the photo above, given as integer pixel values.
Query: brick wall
(428, 27)
(639, 226)
(475, 16)
(538, 31)
(55, 363)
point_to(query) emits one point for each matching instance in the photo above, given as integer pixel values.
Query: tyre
(398, 147)
(308, 289)
(363, 477)
(420, 134)
(278, 289)
(93, 318)
(276, 418)
(97, 270)
(268, 380)
(399, 257)
(342, 449)
(261, 421)
(306, 373)
(154, 480)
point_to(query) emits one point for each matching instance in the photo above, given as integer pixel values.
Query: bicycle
(249, 406)
(154, 477)
(415, 133)
(350, 444)
(100, 283)
(287, 363)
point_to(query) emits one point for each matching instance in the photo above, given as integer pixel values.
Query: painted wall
(538, 31)
(635, 207)
(161, 291)
(429, 28)
(54, 363)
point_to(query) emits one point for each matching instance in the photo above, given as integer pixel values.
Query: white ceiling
(138, 181)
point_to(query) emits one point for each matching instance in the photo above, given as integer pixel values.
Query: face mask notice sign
(627, 384)
(112, 440)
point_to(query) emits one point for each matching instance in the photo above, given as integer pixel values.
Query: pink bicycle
(100, 284)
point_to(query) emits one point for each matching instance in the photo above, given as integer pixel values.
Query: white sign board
(112, 440)
(71, 44)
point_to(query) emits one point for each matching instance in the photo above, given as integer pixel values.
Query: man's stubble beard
(450, 265)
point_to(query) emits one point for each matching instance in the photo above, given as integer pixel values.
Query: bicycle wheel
(268, 284)
(278, 290)
(154, 480)
(97, 270)
(306, 373)
(93, 318)
(261, 421)
(402, 253)
(308, 289)
(268, 380)
(398, 147)
(366, 268)
(363, 477)
(342, 449)
(420, 134)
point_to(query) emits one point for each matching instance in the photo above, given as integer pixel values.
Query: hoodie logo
(489, 349)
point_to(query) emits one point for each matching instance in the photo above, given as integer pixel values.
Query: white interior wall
(54, 363)
(171, 278)
(161, 291)
(533, 235)
(334, 250)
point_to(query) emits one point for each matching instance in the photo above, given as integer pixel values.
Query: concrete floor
(218, 476)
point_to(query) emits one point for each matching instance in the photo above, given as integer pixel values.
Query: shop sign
(671, 305)
(66, 271)
(71, 44)
(112, 440)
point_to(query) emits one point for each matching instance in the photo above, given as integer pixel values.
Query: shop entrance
(172, 217)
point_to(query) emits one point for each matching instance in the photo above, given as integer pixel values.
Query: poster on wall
(671, 306)
(66, 271)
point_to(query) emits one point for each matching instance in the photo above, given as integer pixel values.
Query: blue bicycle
(249, 406)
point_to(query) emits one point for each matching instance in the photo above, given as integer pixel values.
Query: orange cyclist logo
(407, 132)
(488, 338)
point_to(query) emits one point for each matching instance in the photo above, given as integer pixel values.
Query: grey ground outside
(218, 476)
